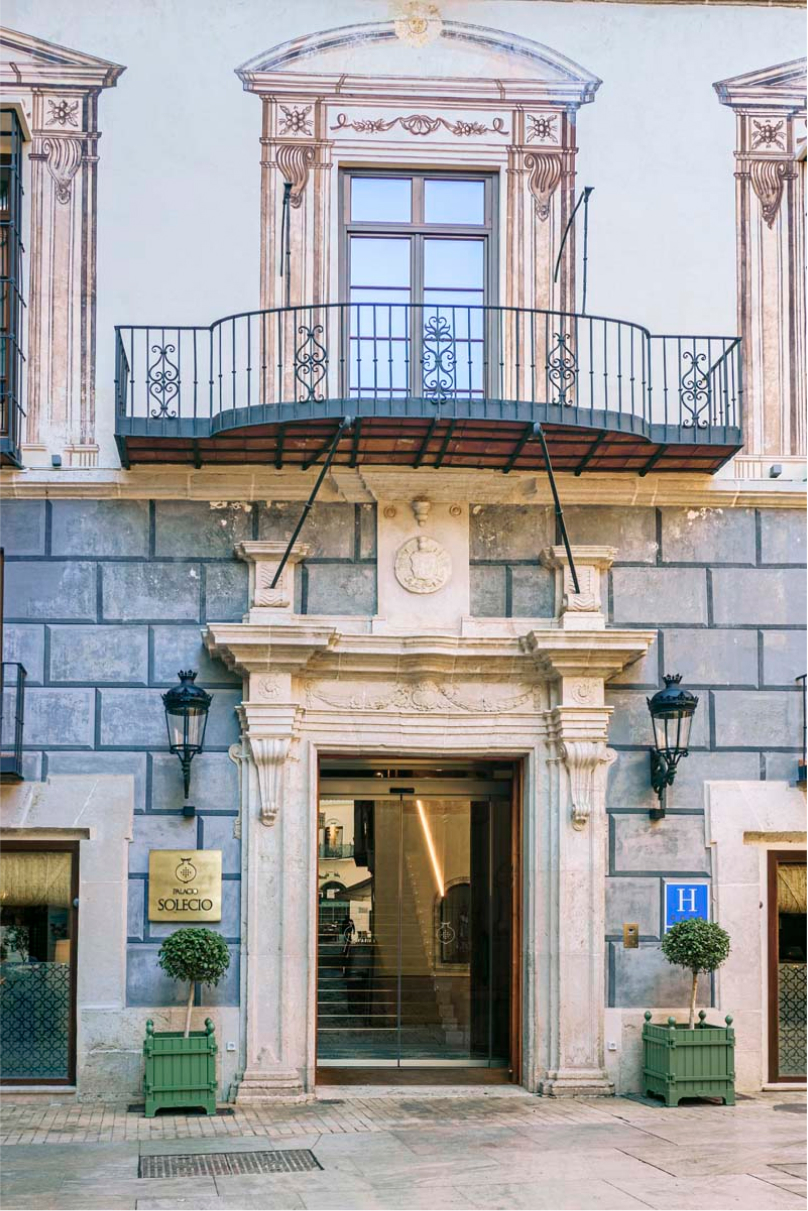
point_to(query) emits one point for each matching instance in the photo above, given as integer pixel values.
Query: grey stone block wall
(725, 590)
(104, 603)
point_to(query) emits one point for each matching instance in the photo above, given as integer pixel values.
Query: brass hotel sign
(185, 885)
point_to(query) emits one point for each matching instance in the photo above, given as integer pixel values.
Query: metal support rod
(343, 425)
(559, 512)
(286, 243)
(587, 192)
(587, 189)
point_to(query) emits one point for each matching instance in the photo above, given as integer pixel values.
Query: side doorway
(787, 966)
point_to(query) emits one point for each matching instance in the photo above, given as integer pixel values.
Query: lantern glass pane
(684, 732)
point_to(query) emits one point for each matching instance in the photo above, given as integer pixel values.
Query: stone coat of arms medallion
(422, 565)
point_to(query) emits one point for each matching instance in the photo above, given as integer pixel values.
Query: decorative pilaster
(770, 109)
(58, 90)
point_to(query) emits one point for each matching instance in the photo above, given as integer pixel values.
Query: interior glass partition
(415, 926)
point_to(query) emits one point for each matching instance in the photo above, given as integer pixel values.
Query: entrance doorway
(416, 915)
(787, 966)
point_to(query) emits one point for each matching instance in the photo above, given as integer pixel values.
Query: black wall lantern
(187, 707)
(672, 711)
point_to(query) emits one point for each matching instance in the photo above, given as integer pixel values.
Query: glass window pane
(380, 262)
(454, 201)
(454, 264)
(35, 964)
(381, 200)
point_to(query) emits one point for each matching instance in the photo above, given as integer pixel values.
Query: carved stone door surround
(481, 98)
(314, 685)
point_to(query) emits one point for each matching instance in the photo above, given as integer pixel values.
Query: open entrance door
(416, 918)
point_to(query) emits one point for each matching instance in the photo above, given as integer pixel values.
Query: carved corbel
(586, 762)
(768, 178)
(294, 160)
(63, 156)
(545, 174)
(270, 754)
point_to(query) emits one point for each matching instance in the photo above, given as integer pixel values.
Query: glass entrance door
(415, 932)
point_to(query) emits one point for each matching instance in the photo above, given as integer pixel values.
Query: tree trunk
(692, 999)
(190, 1004)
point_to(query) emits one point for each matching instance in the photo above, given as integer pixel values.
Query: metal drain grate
(221, 1164)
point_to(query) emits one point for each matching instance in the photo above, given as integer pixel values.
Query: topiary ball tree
(697, 945)
(196, 955)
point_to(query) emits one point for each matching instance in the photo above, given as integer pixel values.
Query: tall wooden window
(418, 270)
(11, 300)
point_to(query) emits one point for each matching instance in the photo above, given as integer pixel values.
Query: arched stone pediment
(459, 50)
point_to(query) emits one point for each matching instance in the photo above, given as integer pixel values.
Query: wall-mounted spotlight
(672, 711)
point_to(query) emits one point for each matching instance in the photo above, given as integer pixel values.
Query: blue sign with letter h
(684, 900)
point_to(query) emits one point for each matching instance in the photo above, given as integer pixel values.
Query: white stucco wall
(178, 220)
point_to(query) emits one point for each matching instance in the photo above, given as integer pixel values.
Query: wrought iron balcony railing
(435, 363)
(12, 714)
(335, 851)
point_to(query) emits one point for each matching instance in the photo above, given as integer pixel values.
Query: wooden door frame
(71, 847)
(774, 859)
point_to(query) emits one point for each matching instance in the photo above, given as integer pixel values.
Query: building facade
(385, 305)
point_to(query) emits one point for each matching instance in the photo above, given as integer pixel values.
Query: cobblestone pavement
(419, 1148)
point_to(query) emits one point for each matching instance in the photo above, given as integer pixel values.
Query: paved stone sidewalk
(414, 1148)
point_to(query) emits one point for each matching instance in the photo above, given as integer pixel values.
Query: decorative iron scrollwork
(164, 380)
(562, 368)
(694, 391)
(439, 360)
(311, 361)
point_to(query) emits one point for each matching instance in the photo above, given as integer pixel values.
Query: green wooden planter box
(679, 1062)
(180, 1072)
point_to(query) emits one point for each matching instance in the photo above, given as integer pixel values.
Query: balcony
(12, 711)
(336, 851)
(427, 386)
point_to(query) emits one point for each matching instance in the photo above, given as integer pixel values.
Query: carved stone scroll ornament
(294, 160)
(545, 174)
(425, 697)
(63, 157)
(768, 177)
(270, 754)
(420, 124)
(584, 759)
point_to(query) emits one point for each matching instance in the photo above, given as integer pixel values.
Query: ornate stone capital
(269, 735)
(264, 558)
(295, 160)
(545, 173)
(768, 176)
(586, 761)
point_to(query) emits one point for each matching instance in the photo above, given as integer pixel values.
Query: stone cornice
(178, 483)
(316, 647)
(29, 62)
(778, 89)
(284, 70)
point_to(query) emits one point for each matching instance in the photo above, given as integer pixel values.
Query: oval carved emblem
(423, 565)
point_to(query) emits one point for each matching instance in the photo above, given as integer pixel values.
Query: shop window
(787, 966)
(38, 911)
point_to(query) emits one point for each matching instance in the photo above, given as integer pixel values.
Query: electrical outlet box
(631, 936)
(230, 1046)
